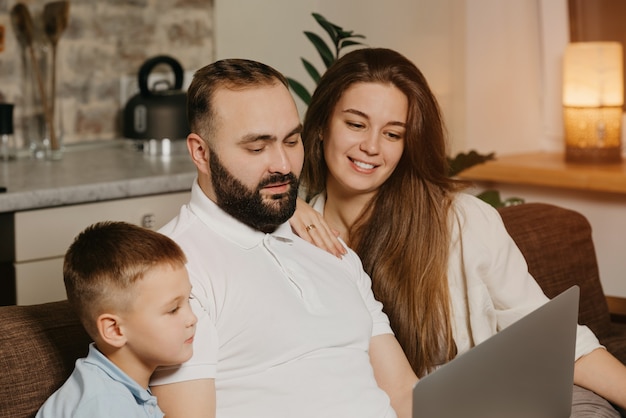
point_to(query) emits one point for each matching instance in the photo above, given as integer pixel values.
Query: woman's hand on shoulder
(310, 225)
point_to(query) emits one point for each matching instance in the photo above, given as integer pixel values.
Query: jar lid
(6, 118)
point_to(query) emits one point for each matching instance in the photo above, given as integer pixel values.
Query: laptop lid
(524, 371)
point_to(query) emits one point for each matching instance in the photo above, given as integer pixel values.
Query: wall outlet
(129, 85)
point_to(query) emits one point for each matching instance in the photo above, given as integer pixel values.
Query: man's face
(249, 205)
(256, 155)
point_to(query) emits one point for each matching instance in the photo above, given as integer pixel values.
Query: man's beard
(248, 206)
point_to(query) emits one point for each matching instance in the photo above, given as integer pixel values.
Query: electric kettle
(157, 113)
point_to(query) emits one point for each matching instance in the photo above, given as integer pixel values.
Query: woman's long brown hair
(403, 234)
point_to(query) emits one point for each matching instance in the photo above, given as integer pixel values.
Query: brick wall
(105, 40)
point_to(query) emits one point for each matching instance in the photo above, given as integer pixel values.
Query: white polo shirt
(283, 327)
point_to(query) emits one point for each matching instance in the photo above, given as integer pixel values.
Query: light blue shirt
(97, 388)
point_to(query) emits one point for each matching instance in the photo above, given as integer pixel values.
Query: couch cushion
(558, 247)
(39, 345)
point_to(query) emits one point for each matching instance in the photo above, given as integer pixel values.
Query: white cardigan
(490, 286)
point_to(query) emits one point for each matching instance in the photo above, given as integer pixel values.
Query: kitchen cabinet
(45, 204)
(42, 236)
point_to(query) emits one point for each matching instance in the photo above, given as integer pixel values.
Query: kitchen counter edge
(131, 175)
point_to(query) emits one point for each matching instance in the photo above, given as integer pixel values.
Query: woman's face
(365, 137)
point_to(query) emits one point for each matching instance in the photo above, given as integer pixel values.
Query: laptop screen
(526, 370)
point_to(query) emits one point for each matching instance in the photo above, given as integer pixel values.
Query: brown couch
(39, 343)
(558, 248)
(38, 347)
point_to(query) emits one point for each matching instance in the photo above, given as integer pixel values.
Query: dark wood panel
(617, 308)
(7, 257)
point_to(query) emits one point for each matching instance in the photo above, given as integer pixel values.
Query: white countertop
(92, 172)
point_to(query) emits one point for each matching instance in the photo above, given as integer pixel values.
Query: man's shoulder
(180, 224)
(321, 260)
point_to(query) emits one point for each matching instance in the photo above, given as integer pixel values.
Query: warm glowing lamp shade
(593, 96)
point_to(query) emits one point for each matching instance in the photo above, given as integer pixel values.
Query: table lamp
(593, 96)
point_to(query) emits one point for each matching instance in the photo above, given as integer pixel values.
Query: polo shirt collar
(227, 226)
(99, 360)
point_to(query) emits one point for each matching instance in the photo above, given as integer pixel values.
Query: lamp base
(593, 155)
(593, 134)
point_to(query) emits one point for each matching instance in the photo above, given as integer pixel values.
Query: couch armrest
(560, 253)
(39, 345)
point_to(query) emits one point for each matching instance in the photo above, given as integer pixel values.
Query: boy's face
(160, 325)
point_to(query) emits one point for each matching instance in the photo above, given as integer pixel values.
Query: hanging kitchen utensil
(22, 23)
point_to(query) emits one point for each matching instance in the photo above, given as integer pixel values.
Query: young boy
(130, 288)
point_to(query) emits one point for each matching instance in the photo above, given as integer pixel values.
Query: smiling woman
(376, 167)
(441, 261)
(365, 138)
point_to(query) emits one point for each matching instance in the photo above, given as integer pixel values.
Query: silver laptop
(524, 371)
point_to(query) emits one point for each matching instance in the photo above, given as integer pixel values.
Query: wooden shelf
(549, 169)
(617, 308)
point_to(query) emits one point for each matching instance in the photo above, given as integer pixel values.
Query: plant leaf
(492, 197)
(345, 34)
(512, 201)
(321, 47)
(464, 161)
(318, 17)
(300, 90)
(347, 43)
(315, 75)
(341, 38)
(331, 29)
(322, 21)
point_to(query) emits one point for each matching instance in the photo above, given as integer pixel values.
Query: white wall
(494, 66)
(271, 31)
(483, 58)
(503, 76)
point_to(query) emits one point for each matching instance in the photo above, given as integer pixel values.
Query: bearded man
(284, 329)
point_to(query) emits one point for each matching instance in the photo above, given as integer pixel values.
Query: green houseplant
(341, 39)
